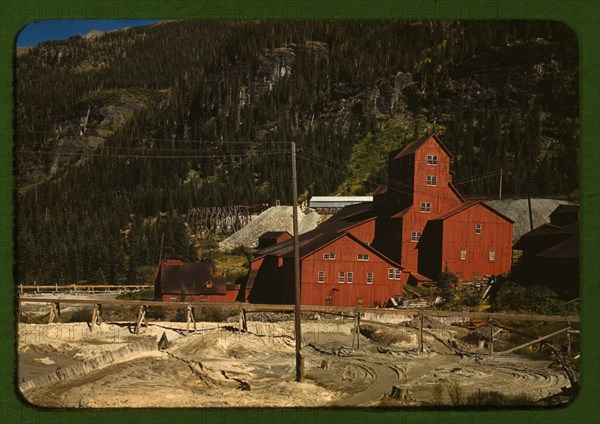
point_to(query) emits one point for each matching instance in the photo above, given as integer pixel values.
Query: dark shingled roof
(414, 146)
(466, 205)
(325, 239)
(344, 220)
(546, 233)
(274, 234)
(566, 249)
(190, 277)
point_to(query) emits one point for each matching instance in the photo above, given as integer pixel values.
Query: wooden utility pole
(297, 325)
(530, 210)
(162, 239)
(500, 191)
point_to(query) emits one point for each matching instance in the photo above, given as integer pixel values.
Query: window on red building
(431, 180)
(362, 257)
(369, 278)
(432, 159)
(477, 228)
(321, 277)
(341, 277)
(349, 277)
(492, 255)
(425, 206)
(391, 273)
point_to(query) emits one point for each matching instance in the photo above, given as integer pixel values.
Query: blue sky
(37, 32)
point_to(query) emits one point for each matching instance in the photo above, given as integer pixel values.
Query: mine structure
(417, 226)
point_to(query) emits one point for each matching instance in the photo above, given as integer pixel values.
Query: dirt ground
(218, 366)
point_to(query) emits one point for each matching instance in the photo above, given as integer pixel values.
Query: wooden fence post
(190, 318)
(244, 321)
(96, 315)
(491, 339)
(54, 313)
(141, 318)
(421, 319)
(357, 328)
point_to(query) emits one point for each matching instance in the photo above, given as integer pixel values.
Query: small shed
(180, 281)
(272, 237)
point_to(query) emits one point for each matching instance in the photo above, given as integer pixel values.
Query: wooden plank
(504, 352)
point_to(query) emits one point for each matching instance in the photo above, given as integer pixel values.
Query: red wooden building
(424, 223)
(416, 226)
(179, 281)
(338, 265)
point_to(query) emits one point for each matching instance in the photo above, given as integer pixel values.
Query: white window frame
(391, 273)
(463, 254)
(478, 228)
(369, 277)
(349, 277)
(341, 277)
(431, 180)
(398, 274)
(432, 160)
(415, 236)
(492, 255)
(329, 256)
(426, 207)
(362, 257)
(321, 277)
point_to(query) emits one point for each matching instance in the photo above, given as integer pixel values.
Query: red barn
(179, 281)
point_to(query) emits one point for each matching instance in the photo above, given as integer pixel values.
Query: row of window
(426, 207)
(332, 256)
(491, 254)
(348, 277)
(344, 277)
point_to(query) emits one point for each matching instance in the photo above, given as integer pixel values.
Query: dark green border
(583, 16)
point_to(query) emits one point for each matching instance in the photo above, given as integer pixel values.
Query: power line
(408, 191)
(119, 155)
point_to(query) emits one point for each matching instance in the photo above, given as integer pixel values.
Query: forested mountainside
(118, 135)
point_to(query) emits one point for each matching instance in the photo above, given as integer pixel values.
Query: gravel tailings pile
(276, 218)
(518, 211)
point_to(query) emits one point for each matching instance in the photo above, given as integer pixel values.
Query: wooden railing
(308, 308)
(356, 313)
(80, 287)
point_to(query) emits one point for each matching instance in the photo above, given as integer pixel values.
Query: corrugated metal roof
(341, 199)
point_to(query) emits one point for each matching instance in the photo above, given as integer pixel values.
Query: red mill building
(413, 229)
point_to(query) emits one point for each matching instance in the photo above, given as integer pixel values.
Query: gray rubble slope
(518, 211)
(276, 218)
